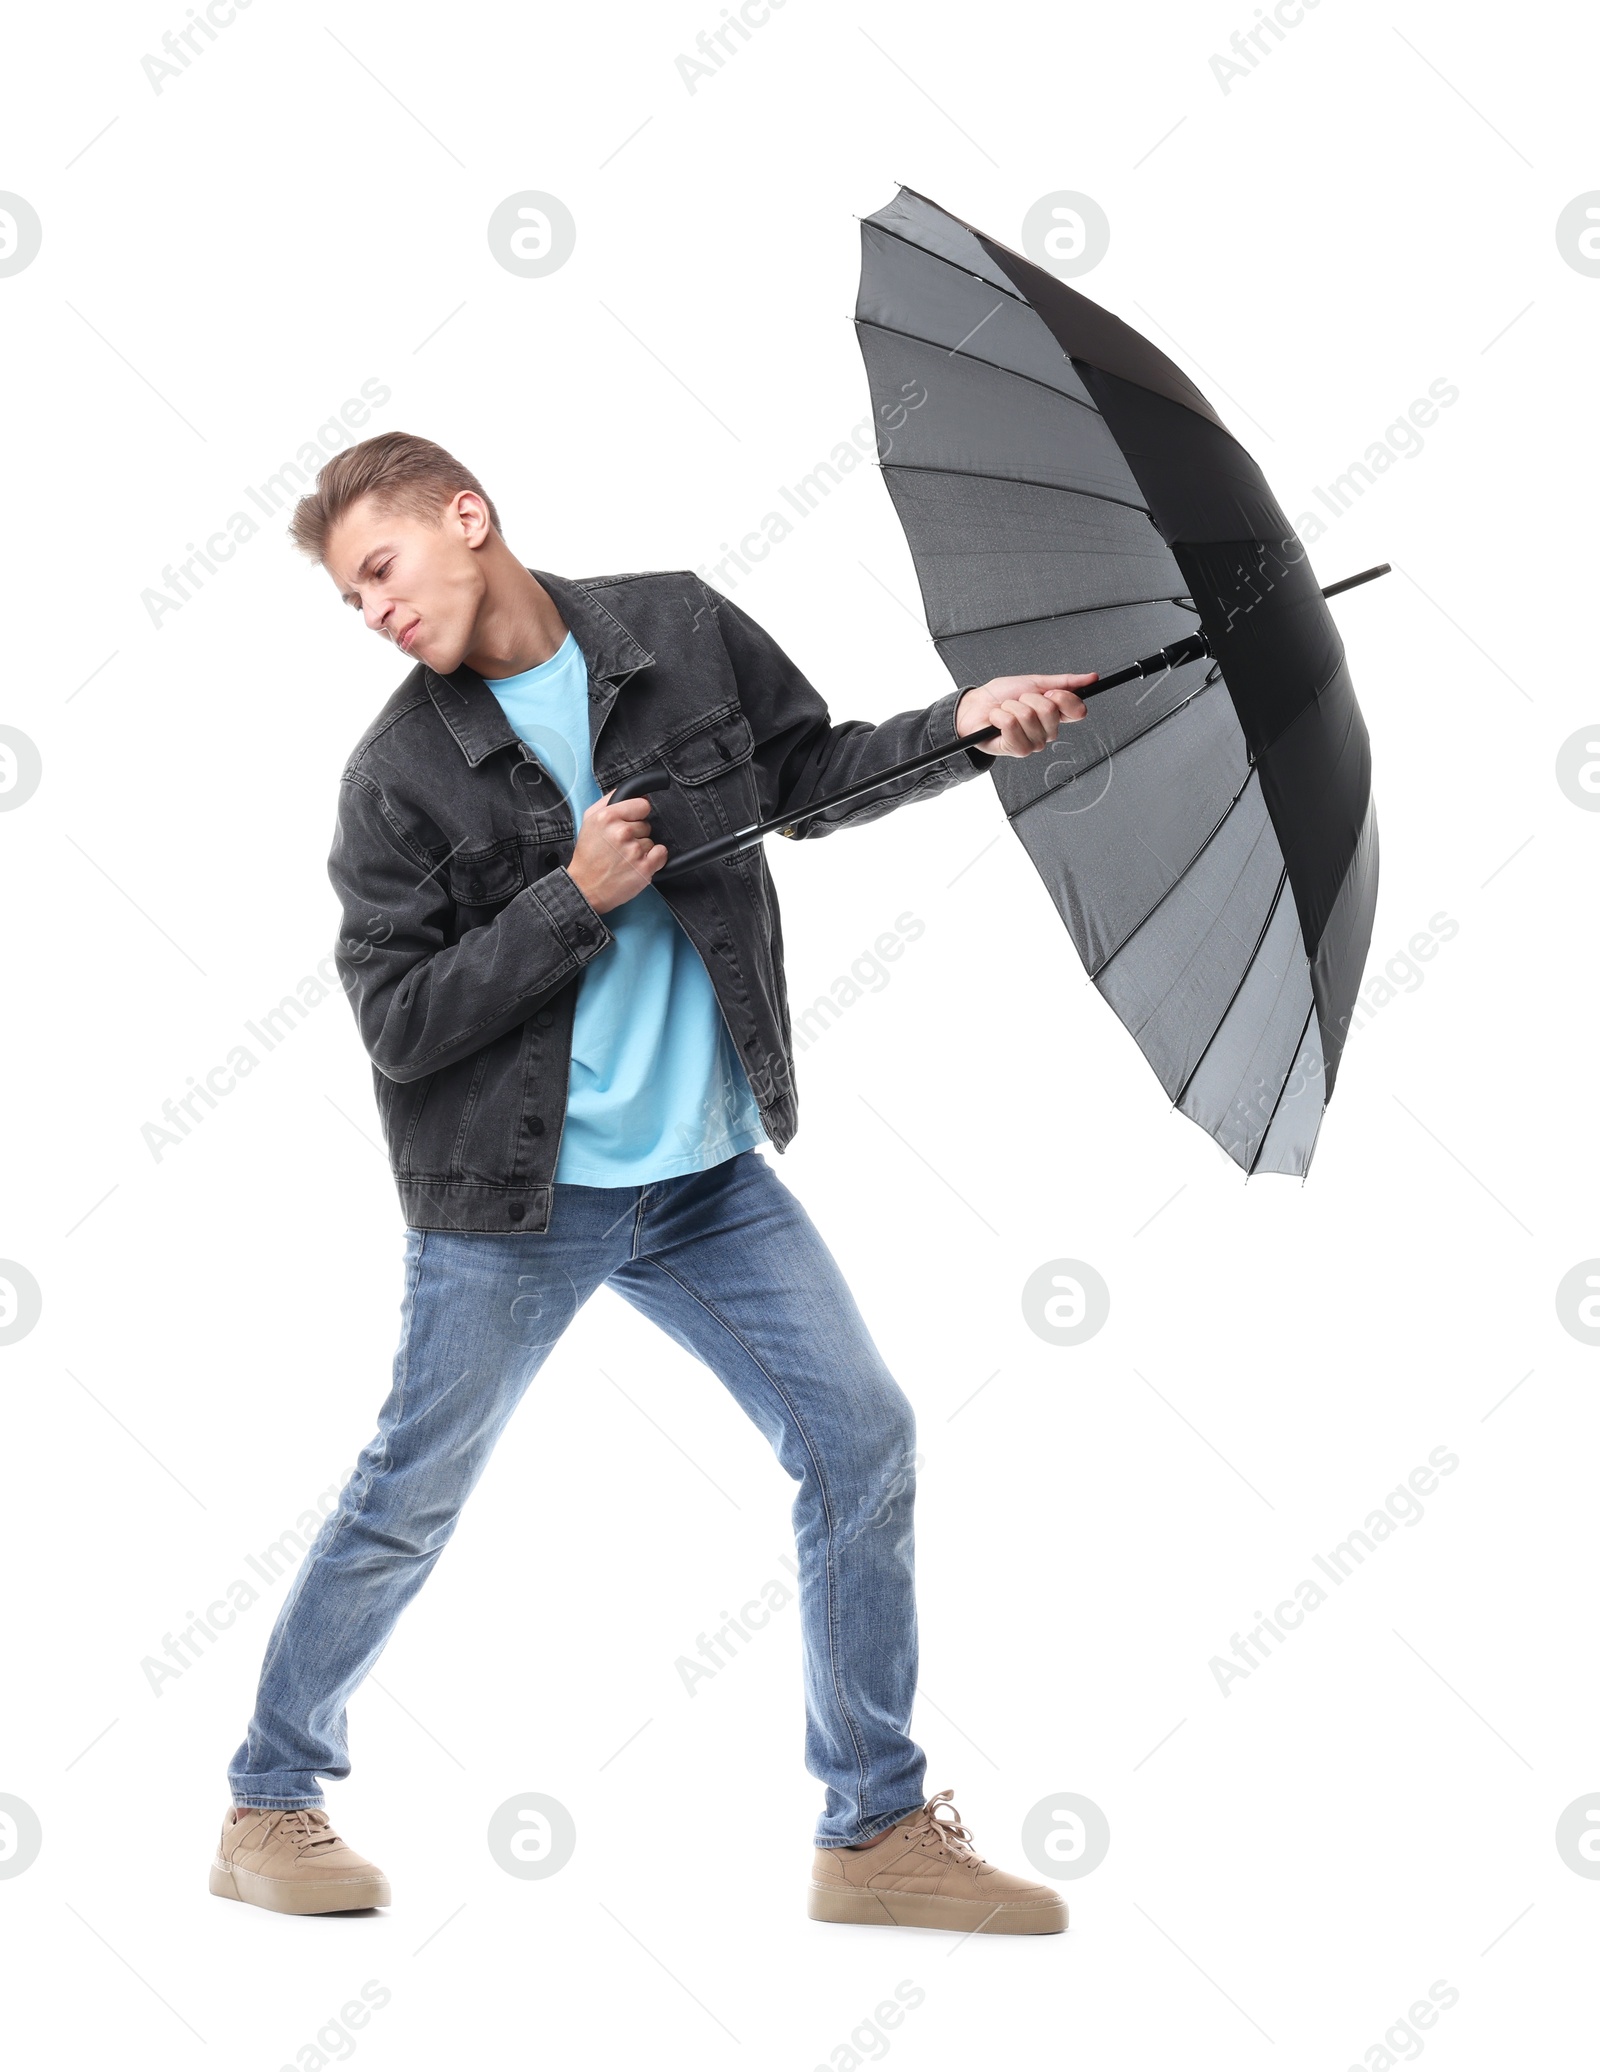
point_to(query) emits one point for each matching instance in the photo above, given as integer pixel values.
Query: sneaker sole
(929, 1910)
(283, 1896)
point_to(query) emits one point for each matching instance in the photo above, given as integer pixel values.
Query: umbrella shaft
(1189, 649)
(1194, 647)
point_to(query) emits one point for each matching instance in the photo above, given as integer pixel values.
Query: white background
(1292, 1865)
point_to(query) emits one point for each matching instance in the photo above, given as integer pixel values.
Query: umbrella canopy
(1072, 501)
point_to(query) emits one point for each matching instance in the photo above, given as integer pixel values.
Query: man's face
(418, 585)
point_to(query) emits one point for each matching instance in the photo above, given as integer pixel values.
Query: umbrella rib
(1132, 740)
(1227, 813)
(1217, 917)
(1249, 966)
(978, 360)
(1077, 611)
(1282, 1090)
(901, 467)
(955, 265)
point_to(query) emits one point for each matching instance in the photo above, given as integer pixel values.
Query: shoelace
(304, 1827)
(951, 1833)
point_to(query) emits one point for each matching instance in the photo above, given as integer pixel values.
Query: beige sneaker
(925, 1873)
(293, 1863)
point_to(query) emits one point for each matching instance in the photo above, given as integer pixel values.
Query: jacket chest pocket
(483, 880)
(716, 767)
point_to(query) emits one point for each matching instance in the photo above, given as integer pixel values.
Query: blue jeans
(728, 1263)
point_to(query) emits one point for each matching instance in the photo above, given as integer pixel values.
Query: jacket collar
(472, 712)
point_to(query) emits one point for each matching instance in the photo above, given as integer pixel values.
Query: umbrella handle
(641, 785)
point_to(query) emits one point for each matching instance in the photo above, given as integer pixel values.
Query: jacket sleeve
(802, 755)
(421, 1001)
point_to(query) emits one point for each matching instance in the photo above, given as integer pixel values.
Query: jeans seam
(827, 1507)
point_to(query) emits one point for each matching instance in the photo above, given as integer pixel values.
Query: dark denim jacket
(463, 938)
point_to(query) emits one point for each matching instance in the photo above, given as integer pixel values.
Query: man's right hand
(614, 857)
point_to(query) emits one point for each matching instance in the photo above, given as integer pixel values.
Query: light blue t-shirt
(656, 1087)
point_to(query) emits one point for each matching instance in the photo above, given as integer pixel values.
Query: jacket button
(543, 1018)
(534, 1126)
(550, 859)
(517, 1210)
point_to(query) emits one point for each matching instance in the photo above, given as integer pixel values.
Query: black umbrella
(1071, 500)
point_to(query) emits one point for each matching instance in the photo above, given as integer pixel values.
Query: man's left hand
(1028, 710)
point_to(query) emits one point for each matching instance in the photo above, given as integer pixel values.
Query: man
(574, 1069)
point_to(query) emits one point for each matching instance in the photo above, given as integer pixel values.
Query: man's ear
(469, 511)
